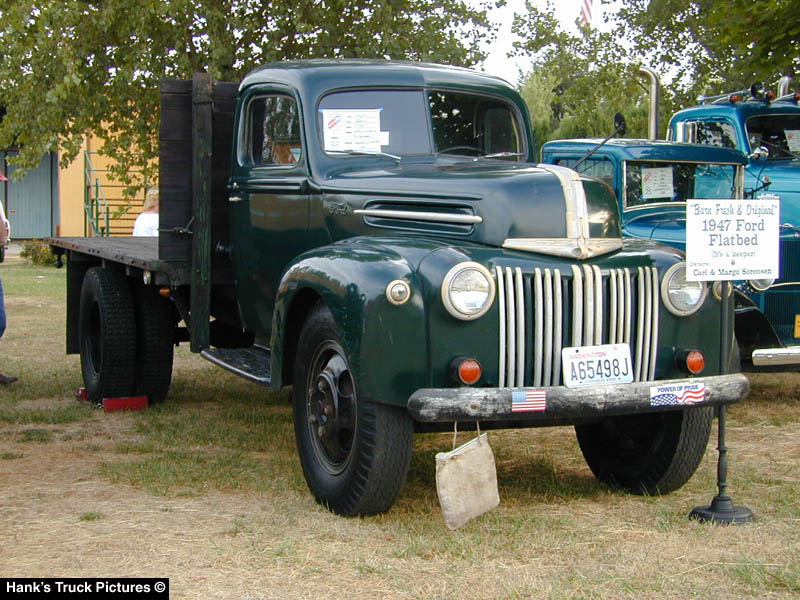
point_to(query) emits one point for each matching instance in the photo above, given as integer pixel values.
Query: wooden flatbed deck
(138, 252)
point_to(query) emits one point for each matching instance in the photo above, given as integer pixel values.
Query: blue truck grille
(547, 310)
(790, 260)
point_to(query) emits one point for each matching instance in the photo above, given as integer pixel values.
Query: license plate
(797, 326)
(596, 365)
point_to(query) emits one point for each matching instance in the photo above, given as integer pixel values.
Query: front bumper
(776, 357)
(562, 404)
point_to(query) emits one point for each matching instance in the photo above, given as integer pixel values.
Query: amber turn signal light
(465, 370)
(692, 361)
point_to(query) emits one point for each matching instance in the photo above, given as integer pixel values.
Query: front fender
(386, 345)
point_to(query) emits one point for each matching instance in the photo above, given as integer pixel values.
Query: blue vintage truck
(376, 235)
(765, 126)
(652, 180)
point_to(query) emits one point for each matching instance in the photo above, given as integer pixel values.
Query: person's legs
(4, 379)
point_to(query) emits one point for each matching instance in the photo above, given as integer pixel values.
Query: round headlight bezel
(760, 285)
(447, 283)
(669, 275)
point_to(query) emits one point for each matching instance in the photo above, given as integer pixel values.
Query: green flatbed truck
(376, 235)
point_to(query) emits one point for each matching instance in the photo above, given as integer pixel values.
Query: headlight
(681, 297)
(761, 285)
(468, 291)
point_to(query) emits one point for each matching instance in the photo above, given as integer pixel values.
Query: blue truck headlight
(681, 297)
(761, 285)
(468, 291)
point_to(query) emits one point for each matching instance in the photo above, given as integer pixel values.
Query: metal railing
(95, 204)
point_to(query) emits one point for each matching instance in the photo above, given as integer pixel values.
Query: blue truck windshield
(416, 122)
(779, 134)
(655, 182)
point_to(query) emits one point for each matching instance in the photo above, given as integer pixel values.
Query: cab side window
(716, 133)
(273, 130)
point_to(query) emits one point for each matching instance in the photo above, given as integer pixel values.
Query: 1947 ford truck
(375, 234)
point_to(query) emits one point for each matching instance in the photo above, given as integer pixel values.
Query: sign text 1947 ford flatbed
(379, 239)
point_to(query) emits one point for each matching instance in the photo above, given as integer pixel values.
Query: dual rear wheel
(126, 334)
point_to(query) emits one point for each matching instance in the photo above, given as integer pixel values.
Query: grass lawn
(207, 490)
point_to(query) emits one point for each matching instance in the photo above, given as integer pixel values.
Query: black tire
(654, 453)
(107, 334)
(355, 456)
(155, 342)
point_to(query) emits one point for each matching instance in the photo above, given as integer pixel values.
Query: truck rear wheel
(653, 453)
(107, 334)
(155, 341)
(354, 453)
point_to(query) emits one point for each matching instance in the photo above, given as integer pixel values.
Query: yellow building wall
(72, 187)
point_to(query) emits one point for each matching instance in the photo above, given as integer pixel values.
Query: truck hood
(544, 208)
(666, 225)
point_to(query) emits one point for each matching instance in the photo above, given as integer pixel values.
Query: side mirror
(620, 125)
(760, 153)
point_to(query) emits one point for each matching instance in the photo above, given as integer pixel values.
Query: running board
(252, 363)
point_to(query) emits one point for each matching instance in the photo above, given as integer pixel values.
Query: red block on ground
(124, 403)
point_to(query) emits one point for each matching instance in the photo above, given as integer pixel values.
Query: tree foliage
(578, 81)
(696, 47)
(68, 67)
(714, 45)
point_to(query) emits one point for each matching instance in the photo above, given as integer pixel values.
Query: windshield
(780, 134)
(654, 182)
(416, 122)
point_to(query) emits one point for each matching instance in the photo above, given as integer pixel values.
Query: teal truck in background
(376, 235)
(765, 126)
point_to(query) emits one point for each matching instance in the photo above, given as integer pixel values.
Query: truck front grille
(544, 311)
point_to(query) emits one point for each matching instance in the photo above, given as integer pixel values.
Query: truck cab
(767, 130)
(380, 239)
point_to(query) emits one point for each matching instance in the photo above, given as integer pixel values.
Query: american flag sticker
(528, 400)
(677, 394)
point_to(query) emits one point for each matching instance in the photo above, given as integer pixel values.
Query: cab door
(269, 202)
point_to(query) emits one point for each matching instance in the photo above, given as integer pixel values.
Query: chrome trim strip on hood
(411, 215)
(577, 243)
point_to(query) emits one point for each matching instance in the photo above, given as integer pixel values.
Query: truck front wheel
(354, 453)
(107, 334)
(647, 454)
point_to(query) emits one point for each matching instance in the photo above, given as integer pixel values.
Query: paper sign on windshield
(352, 129)
(732, 239)
(657, 182)
(793, 139)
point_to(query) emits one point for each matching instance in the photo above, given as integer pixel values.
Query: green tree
(714, 46)
(577, 81)
(72, 66)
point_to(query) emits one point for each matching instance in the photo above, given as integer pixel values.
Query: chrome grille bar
(654, 299)
(511, 336)
(520, 302)
(546, 321)
(539, 334)
(501, 303)
(577, 306)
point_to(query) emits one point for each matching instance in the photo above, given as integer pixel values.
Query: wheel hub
(331, 410)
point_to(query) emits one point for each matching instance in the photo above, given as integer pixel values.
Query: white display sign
(732, 239)
(793, 139)
(657, 182)
(352, 129)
